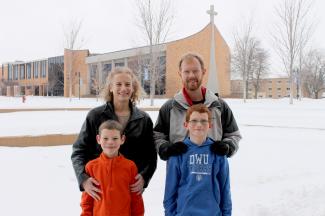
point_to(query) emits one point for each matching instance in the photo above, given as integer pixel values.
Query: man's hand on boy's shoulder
(91, 187)
(171, 149)
(222, 148)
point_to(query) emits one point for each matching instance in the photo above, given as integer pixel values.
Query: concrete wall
(44, 140)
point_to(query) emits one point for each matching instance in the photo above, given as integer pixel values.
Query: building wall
(76, 61)
(35, 85)
(23, 84)
(198, 43)
(269, 88)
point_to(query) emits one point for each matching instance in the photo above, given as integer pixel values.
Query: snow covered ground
(279, 169)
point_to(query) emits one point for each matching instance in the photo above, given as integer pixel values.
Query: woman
(122, 90)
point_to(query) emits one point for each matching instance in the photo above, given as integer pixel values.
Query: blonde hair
(108, 96)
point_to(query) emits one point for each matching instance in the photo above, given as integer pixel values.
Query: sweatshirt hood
(190, 144)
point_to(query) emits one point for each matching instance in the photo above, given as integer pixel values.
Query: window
(106, 69)
(22, 71)
(270, 96)
(270, 89)
(279, 81)
(43, 69)
(54, 73)
(28, 70)
(288, 89)
(119, 64)
(35, 69)
(94, 85)
(145, 74)
(15, 72)
(9, 72)
(279, 89)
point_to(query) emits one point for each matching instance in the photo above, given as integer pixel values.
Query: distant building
(84, 73)
(24, 78)
(169, 55)
(269, 88)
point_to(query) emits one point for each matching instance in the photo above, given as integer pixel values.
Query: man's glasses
(202, 122)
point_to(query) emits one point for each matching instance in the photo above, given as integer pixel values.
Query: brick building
(269, 88)
(79, 73)
(169, 55)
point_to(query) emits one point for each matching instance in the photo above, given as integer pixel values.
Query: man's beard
(192, 87)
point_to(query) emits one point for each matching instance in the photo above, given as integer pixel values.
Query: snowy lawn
(279, 169)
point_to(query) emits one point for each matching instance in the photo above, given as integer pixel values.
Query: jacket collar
(105, 159)
(135, 111)
(187, 97)
(210, 98)
(189, 143)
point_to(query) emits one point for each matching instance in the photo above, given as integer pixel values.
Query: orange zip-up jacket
(115, 176)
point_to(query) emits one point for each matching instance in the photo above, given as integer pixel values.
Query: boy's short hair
(110, 125)
(200, 108)
(190, 56)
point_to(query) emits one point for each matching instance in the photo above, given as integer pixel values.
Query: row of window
(279, 96)
(279, 89)
(270, 89)
(18, 71)
(279, 81)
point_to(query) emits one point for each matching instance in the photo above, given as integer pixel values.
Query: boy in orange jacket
(115, 174)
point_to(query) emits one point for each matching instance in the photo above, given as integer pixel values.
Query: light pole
(79, 83)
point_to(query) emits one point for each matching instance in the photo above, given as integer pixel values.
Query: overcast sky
(33, 29)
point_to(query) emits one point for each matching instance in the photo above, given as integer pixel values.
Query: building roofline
(123, 53)
(133, 51)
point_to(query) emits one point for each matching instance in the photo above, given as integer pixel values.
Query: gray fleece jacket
(169, 125)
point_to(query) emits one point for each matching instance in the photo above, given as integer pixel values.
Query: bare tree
(292, 33)
(246, 56)
(314, 73)
(96, 87)
(154, 25)
(73, 41)
(260, 68)
(2, 86)
(56, 77)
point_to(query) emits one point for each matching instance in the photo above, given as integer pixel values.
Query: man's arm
(231, 135)
(164, 147)
(161, 128)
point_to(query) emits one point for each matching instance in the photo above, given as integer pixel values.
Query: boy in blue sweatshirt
(197, 182)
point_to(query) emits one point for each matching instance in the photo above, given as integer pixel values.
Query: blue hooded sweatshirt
(197, 183)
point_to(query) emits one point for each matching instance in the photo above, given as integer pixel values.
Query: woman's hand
(137, 187)
(91, 187)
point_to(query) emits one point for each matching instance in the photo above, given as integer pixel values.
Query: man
(168, 131)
